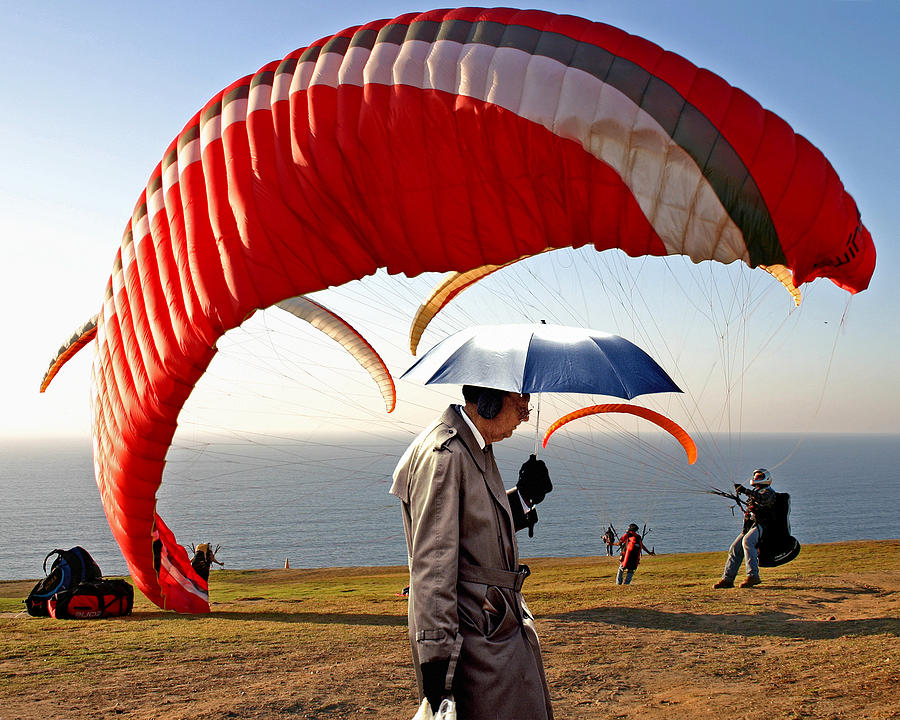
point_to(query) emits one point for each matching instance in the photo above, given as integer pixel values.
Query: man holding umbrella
(471, 632)
(472, 635)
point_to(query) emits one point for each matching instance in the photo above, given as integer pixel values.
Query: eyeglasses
(523, 405)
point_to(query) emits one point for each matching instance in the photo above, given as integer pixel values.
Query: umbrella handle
(537, 418)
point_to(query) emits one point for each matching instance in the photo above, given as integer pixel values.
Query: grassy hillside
(819, 639)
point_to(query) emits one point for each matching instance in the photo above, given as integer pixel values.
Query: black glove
(434, 677)
(738, 489)
(534, 481)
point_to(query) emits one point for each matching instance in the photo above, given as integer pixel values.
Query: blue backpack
(70, 568)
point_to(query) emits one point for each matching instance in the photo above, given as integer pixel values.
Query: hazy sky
(94, 92)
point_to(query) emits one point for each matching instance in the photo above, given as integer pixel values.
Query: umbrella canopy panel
(542, 358)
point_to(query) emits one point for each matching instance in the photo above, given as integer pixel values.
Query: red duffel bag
(92, 600)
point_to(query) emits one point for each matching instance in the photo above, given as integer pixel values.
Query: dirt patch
(825, 652)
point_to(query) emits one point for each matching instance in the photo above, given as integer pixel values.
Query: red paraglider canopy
(446, 140)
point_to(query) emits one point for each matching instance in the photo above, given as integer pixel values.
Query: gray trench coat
(464, 601)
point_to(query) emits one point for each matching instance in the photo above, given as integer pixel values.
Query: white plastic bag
(446, 711)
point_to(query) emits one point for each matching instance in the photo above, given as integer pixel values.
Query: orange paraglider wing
(451, 285)
(81, 337)
(673, 428)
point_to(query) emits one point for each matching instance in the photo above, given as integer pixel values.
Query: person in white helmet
(759, 504)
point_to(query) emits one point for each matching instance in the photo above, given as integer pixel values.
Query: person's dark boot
(751, 581)
(724, 583)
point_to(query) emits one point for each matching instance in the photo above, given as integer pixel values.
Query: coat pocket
(499, 617)
(489, 614)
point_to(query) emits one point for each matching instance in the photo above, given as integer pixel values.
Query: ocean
(327, 504)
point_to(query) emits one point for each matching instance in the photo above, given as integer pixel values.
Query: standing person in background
(471, 633)
(609, 537)
(760, 502)
(631, 544)
(204, 557)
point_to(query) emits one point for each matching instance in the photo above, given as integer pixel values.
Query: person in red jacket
(631, 544)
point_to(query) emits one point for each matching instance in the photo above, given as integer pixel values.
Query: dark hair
(633, 527)
(488, 400)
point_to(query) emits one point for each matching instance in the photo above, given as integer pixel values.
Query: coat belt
(494, 576)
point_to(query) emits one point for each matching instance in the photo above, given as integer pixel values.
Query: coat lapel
(484, 459)
(453, 419)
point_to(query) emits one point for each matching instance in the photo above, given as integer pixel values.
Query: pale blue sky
(94, 92)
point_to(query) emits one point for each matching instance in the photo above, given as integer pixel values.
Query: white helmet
(761, 478)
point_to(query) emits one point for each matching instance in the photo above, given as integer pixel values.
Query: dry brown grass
(819, 639)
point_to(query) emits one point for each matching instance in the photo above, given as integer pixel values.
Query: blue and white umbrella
(537, 358)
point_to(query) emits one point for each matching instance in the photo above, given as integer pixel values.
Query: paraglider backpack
(778, 546)
(70, 568)
(92, 599)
